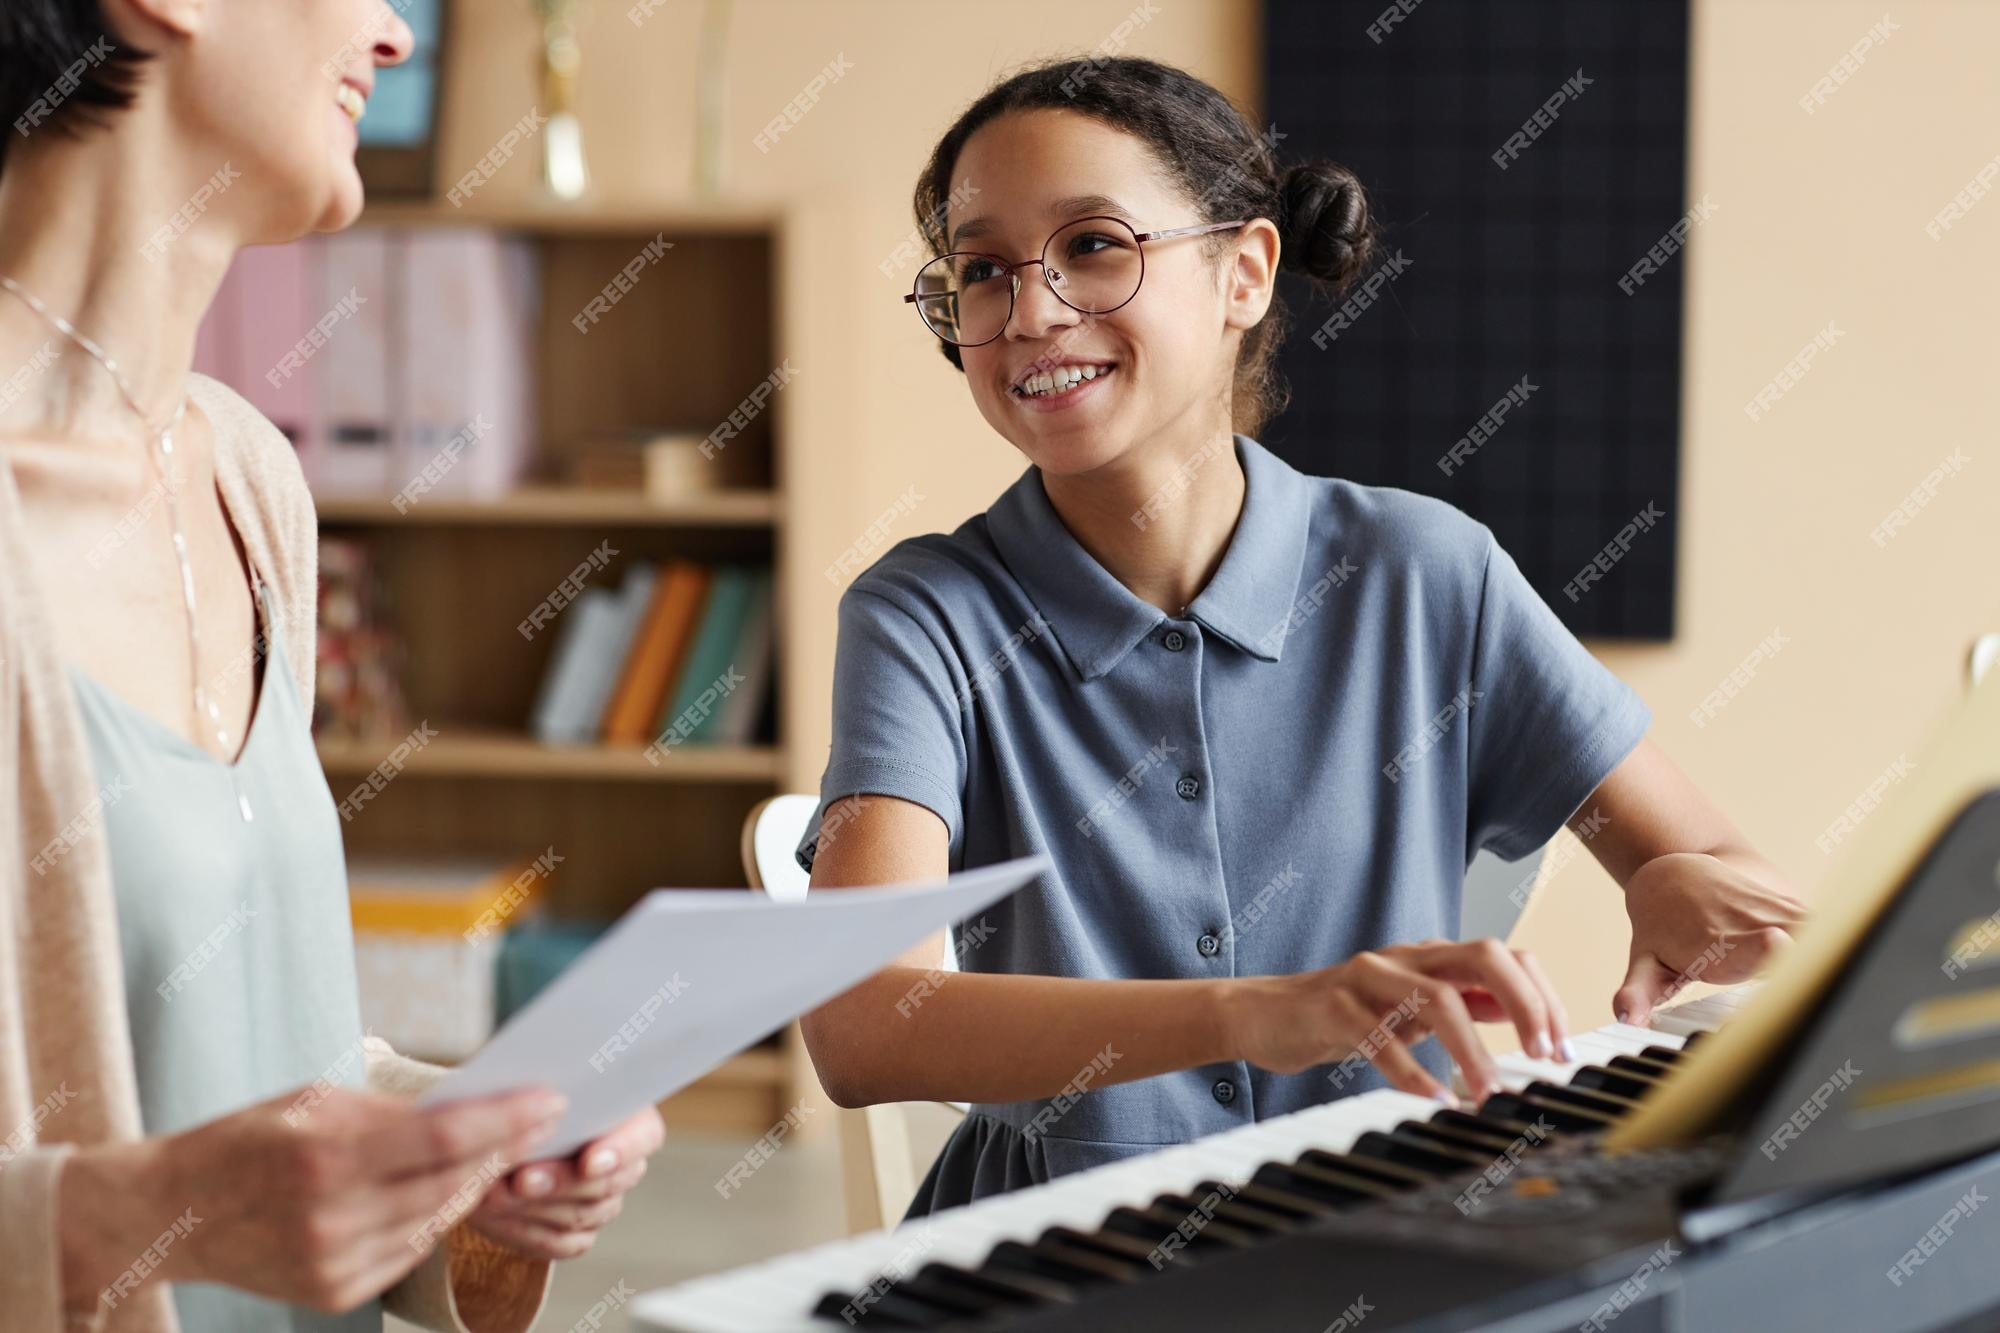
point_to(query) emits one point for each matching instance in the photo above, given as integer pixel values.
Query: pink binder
(464, 326)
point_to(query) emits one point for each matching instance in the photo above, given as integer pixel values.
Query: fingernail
(550, 1106)
(1543, 1050)
(1569, 1050)
(1622, 1014)
(535, 1183)
(1446, 1097)
(600, 1163)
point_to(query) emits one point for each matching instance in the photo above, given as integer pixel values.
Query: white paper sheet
(689, 977)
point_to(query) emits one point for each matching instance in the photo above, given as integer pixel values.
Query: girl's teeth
(351, 102)
(1060, 380)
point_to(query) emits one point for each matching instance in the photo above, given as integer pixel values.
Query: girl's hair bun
(1325, 228)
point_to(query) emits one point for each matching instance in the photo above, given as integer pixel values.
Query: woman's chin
(344, 203)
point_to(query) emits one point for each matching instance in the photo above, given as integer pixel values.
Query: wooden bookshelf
(456, 753)
(544, 505)
(681, 349)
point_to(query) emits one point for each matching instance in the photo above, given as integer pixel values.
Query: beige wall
(1818, 217)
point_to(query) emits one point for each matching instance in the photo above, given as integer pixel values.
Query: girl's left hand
(1697, 918)
(554, 1209)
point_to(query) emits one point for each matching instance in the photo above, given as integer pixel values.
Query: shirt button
(1209, 946)
(1188, 787)
(1174, 640)
(1224, 1090)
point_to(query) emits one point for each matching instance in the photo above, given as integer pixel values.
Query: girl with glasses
(1260, 721)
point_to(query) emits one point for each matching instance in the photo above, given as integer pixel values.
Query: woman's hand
(554, 1209)
(318, 1198)
(1376, 1005)
(1698, 918)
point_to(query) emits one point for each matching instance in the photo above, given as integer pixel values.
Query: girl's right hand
(323, 1198)
(1378, 1004)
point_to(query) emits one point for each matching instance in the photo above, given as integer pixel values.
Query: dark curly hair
(1214, 153)
(59, 68)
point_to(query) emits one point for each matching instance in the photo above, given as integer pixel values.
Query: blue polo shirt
(1296, 768)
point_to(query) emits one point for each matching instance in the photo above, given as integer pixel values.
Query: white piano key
(1640, 1038)
(1703, 1015)
(1619, 1039)
(722, 1304)
(1518, 1071)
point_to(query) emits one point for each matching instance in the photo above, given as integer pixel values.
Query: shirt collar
(1098, 620)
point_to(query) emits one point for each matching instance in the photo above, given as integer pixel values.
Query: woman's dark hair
(1214, 154)
(59, 68)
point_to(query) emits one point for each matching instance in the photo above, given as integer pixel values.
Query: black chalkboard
(1512, 245)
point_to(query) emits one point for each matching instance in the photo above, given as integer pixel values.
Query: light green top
(238, 950)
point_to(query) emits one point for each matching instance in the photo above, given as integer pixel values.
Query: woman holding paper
(1260, 721)
(186, 1096)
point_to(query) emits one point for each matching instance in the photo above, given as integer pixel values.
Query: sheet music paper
(689, 977)
(1961, 761)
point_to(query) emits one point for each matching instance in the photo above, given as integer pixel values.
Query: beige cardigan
(66, 1066)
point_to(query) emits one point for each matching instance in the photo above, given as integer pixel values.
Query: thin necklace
(206, 712)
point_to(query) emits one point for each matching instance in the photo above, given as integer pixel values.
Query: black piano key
(955, 1301)
(1389, 1173)
(1154, 1224)
(1691, 1039)
(1664, 1054)
(1433, 1159)
(1565, 1119)
(1485, 1141)
(1486, 1122)
(1110, 1244)
(1639, 1064)
(1011, 1288)
(1270, 1197)
(1236, 1213)
(1624, 1082)
(1052, 1262)
(885, 1309)
(1338, 1188)
(1589, 1098)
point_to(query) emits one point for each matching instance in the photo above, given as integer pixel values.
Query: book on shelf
(678, 655)
(562, 711)
(737, 716)
(594, 670)
(654, 661)
(711, 664)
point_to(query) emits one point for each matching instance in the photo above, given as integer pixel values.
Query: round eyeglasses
(1094, 265)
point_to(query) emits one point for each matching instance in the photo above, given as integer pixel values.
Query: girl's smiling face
(1164, 361)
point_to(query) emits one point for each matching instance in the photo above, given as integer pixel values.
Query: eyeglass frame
(1012, 269)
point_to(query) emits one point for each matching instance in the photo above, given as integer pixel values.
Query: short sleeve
(1548, 721)
(896, 717)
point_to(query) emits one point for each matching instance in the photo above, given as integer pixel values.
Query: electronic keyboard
(1277, 1169)
(1828, 1158)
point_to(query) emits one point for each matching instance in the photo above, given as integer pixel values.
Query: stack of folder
(427, 937)
(376, 348)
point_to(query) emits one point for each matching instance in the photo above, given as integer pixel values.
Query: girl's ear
(1251, 280)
